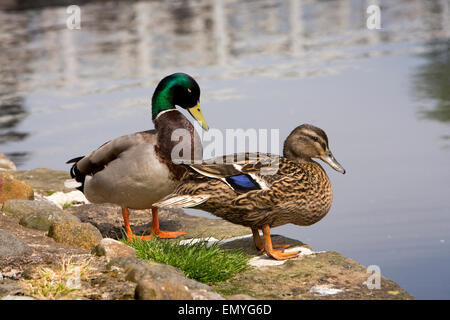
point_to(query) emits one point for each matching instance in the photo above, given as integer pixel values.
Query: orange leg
(257, 240)
(126, 220)
(155, 227)
(270, 251)
(259, 245)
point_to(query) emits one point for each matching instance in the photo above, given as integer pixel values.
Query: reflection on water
(64, 92)
(432, 82)
(136, 43)
(146, 39)
(11, 113)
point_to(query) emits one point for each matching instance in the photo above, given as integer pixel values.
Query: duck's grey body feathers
(135, 170)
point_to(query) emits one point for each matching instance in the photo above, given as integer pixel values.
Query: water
(382, 96)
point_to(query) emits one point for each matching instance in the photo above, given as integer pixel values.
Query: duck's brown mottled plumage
(297, 190)
(299, 193)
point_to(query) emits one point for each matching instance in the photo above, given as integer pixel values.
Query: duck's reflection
(11, 114)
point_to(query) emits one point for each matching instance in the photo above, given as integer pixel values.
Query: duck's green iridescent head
(178, 89)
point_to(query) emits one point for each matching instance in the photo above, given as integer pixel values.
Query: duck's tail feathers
(75, 174)
(181, 201)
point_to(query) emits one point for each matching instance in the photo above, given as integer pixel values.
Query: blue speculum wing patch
(243, 182)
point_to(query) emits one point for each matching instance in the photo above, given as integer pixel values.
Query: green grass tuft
(211, 264)
(68, 204)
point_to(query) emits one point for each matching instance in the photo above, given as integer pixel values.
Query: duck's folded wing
(238, 163)
(109, 151)
(242, 172)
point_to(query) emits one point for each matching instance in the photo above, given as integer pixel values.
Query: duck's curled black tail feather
(77, 174)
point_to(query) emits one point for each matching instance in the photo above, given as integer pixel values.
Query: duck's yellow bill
(196, 113)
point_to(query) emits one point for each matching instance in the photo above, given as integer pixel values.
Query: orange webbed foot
(133, 237)
(169, 234)
(159, 233)
(269, 247)
(281, 254)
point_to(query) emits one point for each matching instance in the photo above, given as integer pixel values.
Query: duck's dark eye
(315, 139)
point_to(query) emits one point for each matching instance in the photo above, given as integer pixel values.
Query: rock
(43, 220)
(165, 289)
(312, 275)
(6, 164)
(137, 269)
(159, 281)
(36, 214)
(105, 217)
(12, 246)
(78, 234)
(10, 287)
(112, 249)
(19, 208)
(11, 188)
(45, 181)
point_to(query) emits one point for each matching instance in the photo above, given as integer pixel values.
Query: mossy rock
(320, 275)
(12, 188)
(77, 234)
(19, 208)
(43, 220)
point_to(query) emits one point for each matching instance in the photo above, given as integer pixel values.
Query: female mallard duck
(136, 170)
(263, 191)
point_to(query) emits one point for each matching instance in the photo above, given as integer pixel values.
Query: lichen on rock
(78, 234)
(11, 188)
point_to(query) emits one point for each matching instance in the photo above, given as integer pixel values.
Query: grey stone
(19, 208)
(165, 289)
(12, 246)
(10, 287)
(125, 263)
(111, 248)
(153, 270)
(42, 220)
(159, 281)
(36, 214)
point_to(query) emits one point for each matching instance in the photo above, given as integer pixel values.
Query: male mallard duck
(136, 170)
(263, 191)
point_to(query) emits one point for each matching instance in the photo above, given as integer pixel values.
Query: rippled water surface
(382, 96)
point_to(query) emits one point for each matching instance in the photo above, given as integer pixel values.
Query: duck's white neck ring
(162, 112)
